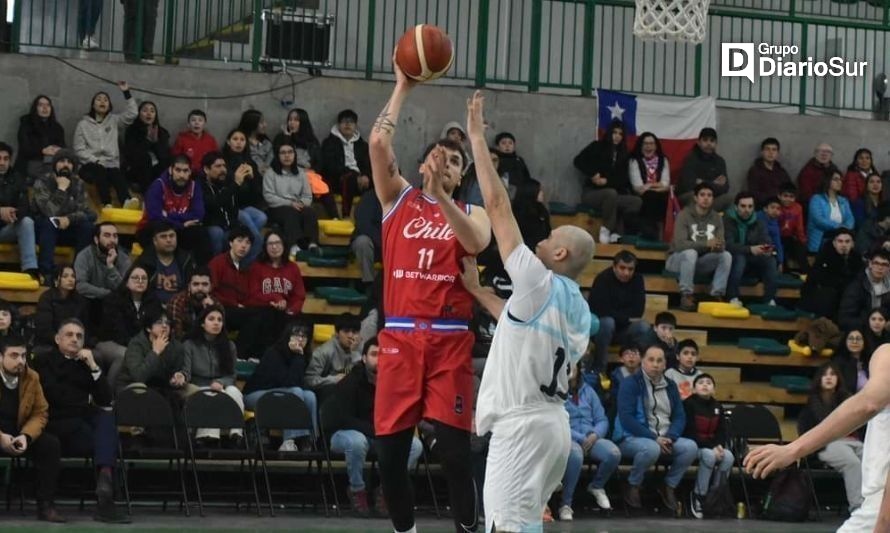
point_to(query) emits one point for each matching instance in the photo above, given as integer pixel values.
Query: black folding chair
(147, 408)
(755, 424)
(284, 410)
(210, 409)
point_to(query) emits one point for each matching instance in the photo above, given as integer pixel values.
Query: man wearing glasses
(870, 290)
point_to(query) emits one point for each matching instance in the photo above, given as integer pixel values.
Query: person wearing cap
(333, 360)
(62, 211)
(511, 166)
(875, 231)
(704, 165)
(706, 426)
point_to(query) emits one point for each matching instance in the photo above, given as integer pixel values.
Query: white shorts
(527, 458)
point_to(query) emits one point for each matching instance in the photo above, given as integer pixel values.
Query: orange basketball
(425, 52)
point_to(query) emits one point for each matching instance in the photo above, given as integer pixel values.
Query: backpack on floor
(718, 502)
(788, 499)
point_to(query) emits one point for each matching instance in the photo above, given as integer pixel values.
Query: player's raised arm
(494, 194)
(388, 183)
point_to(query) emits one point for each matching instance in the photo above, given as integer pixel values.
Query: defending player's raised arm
(388, 183)
(494, 194)
(486, 297)
(848, 416)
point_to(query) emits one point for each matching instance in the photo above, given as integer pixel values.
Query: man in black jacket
(869, 290)
(346, 161)
(618, 296)
(703, 165)
(168, 268)
(348, 417)
(80, 409)
(15, 224)
(836, 266)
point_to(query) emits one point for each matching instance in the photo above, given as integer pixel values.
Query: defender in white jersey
(542, 329)
(872, 405)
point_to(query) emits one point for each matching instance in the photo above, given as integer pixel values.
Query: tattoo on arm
(383, 124)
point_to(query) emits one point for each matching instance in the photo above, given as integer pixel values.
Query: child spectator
(793, 230)
(705, 425)
(194, 141)
(665, 324)
(589, 426)
(769, 215)
(629, 355)
(857, 175)
(686, 372)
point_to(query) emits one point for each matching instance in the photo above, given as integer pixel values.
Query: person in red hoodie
(857, 174)
(194, 141)
(793, 229)
(809, 180)
(230, 279)
(276, 283)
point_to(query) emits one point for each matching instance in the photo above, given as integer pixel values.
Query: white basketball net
(671, 20)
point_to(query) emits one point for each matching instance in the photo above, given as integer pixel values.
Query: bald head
(579, 248)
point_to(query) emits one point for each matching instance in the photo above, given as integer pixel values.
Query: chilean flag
(675, 121)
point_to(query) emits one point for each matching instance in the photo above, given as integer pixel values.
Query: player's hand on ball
(475, 120)
(470, 276)
(767, 459)
(433, 171)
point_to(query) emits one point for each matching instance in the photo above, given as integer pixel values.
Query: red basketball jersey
(421, 261)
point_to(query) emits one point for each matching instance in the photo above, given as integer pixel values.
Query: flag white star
(617, 111)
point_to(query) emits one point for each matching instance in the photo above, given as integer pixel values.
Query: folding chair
(755, 423)
(210, 409)
(284, 410)
(147, 408)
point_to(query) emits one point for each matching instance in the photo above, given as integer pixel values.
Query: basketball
(425, 52)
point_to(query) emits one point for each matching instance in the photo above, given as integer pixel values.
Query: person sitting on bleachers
(61, 211)
(122, 312)
(80, 412)
(870, 289)
(649, 171)
(706, 426)
(98, 148)
(618, 298)
(836, 266)
(57, 304)
(766, 176)
(276, 284)
(828, 211)
(512, 166)
(209, 362)
(686, 371)
(286, 189)
(875, 232)
(253, 124)
(663, 335)
(333, 360)
(629, 356)
(231, 276)
(704, 165)
(194, 141)
(100, 267)
(283, 368)
(792, 228)
(153, 356)
(769, 215)
(220, 206)
(177, 199)
(650, 424)
(851, 359)
(366, 240)
(346, 160)
(605, 185)
(844, 455)
(146, 151)
(810, 177)
(865, 207)
(185, 307)
(168, 267)
(875, 331)
(16, 225)
(747, 239)
(298, 130)
(10, 321)
(23, 416)
(589, 426)
(698, 247)
(858, 173)
(242, 170)
(348, 421)
(40, 136)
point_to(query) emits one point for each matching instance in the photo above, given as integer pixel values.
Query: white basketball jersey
(545, 326)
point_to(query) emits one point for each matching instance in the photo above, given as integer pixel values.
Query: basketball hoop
(671, 20)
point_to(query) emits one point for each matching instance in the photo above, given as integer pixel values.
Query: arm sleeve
(600, 420)
(316, 366)
(142, 366)
(306, 190)
(819, 214)
(633, 173)
(298, 295)
(627, 402)
(154, 201)
(270, 194)
(129, 114)
(678, 414)
(846, 213)
(531, 283)
(79, 144)
(83, 270)
(666, 173)
(33, 427)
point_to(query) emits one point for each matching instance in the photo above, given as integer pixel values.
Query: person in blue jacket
(769, 215)
(590, 425)
(828, 211)
(650, 422)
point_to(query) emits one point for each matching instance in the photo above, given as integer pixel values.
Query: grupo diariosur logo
(738, 60)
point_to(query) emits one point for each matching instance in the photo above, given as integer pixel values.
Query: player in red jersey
(425, 364)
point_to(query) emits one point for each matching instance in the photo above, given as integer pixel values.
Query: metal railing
(574, 45)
